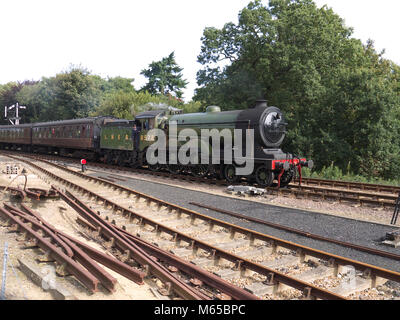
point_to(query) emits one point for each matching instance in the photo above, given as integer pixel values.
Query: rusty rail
(83, 253)
(388, 201)
(214, 281)
(119, 240)
(302, 233)
(294, 189)
(104, 259)
(383, 200)
(33, 193)
(334, 259)
(73, 267)
(313, 290)
(351, 185)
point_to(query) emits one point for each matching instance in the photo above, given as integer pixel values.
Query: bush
(335, 173)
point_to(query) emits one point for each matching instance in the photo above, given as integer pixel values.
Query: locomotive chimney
(261, 103)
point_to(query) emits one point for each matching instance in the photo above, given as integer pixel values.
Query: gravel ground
(359, 232)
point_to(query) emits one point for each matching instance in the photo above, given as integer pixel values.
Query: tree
(126, 105)
(340, 97)
(164, 77)
(9, 95)
(69, 95)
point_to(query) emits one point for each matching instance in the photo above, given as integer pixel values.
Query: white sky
(121, 37)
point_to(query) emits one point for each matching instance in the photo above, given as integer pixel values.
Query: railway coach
(16, 137)
(74, 138)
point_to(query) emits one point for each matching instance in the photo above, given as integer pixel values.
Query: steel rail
(313, 291)
(104, 259)
(333, 183)
(274, 277)
(302, 233)
(44, 228)
(242, 265)
(349, 185)
(107, 280)
(340, 194)
(73, 267)
(317, 292)
(216, 282)
(305, 191)
(178, 236)
(294, 189)
(302, 250)
(135, 252)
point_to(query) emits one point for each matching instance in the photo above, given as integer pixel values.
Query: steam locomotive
(114, 141)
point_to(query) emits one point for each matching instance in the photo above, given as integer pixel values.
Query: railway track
(352, 185)
(260, 264)
(316, 189)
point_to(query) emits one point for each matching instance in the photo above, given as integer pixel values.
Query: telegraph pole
(16, 118)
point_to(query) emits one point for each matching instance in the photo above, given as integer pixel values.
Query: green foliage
(333, 172)
(71, 94)
(340, 97)
(127, 104)
(68, 95)
(117, 84)
(76, 93)
(9, 94)
(164, 77)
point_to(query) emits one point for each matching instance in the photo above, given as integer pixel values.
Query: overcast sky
(122, 37)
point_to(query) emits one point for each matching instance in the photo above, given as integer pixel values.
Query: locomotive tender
(114, 141)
